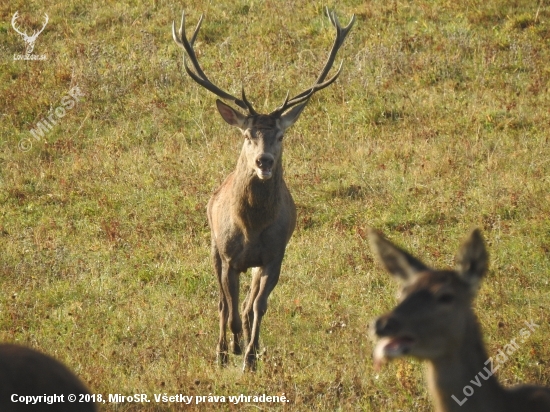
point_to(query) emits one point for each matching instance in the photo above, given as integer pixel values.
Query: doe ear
(231, 116)
(289, 117)
(396, 261)
(472, 260)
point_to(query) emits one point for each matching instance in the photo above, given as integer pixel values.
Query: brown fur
(435, 322)
(26, 372)
(251, 221)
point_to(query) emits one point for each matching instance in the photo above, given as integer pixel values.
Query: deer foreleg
(230, 285)
(221, 350)
(248, 305)
(268, 278)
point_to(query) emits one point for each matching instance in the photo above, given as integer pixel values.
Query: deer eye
(445, 298)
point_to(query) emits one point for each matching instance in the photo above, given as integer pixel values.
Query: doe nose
(386, 325)
(265, 161)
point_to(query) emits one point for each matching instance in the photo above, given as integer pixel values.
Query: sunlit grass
(438, 123)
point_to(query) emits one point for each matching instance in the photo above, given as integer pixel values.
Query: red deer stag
(252, 214)
(29, 379)
(434, 321)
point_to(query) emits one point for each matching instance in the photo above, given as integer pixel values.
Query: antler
(341, 33)
(200, 77)
(15, 17)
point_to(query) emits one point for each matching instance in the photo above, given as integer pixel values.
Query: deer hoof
(235, 348)
(249, 363)
(223, 358)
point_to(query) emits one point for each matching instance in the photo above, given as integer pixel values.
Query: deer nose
(386, 325)
(265, 161)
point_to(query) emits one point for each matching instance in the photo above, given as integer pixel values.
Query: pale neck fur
(256, 202)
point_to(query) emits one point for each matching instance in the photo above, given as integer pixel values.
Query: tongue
(396, 343)
(390, 348)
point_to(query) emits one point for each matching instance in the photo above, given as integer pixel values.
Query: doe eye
(446, 298)
(280, 138)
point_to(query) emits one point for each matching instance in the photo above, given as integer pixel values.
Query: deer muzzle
(393, 343)
(264, 163)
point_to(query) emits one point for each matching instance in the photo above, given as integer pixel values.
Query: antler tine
(200, 77)
(341, 33)
(286, 98)
(306, 94)
(247, 103)
(194, 37)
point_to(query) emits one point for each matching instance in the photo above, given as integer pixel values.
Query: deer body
(251, 221)
(252, 215)
(435, 322)
(246, 215)
(26, 372)
(448, 376)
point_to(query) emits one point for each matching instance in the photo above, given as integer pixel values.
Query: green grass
(438, 122)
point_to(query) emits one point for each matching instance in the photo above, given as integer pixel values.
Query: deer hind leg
(230, 285)
(248, 305)
(221, 350)
(268, 278)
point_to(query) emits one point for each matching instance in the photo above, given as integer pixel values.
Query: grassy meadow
(438, 123)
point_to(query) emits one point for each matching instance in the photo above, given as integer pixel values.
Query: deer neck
(256, 202)
(450, 376)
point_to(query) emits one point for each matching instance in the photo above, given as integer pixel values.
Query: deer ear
(396, 261)
(231, 116)
(472, 260)
(290, 116)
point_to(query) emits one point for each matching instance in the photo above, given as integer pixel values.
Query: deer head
(430, 320)
(263, 132)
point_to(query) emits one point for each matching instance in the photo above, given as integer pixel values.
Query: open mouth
(264, 173)
(391, 347)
